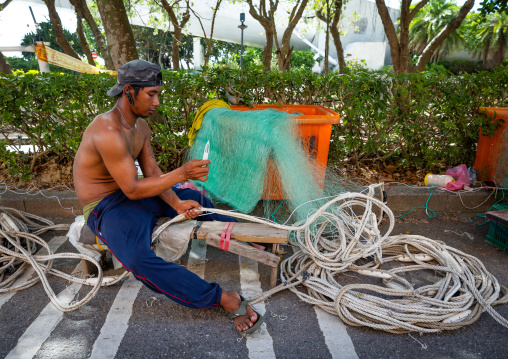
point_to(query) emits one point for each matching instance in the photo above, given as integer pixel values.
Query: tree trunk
(401, 61)
(175, 48)
(326, 20)
(399, 46)
(82, 39)
(334, 29)
(101, 42)
(209, 41)
(5, 67)
(265, 18)
(492, 59)
(285, 50)
(177, 33)
(122, 46)
(57, 26)
(267, 50)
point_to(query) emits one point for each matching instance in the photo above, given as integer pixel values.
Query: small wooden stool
(246, 232)
(212, 231)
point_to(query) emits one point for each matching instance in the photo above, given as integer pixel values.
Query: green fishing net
(256, 155)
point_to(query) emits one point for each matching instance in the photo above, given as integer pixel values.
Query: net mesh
(258, 155)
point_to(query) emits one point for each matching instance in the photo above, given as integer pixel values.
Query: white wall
(368, 41)
(372, 52)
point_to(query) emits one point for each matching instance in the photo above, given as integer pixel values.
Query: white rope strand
(17, 253)
(348, 267)
(335, 242)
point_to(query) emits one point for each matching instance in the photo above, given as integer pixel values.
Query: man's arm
(150, 168)
(113, 149)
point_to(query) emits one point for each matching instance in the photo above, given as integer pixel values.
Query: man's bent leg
(126, 230)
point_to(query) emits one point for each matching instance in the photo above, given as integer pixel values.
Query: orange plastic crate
(315, 129)
(490, 150)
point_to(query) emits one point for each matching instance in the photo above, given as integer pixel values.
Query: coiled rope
(340, 238)
(17, 252)
(335, 242)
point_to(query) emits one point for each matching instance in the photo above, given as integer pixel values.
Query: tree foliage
(153, 45)
(45, 32)
(428, 23)
(425, 120)
(493, 6)
(488, 37)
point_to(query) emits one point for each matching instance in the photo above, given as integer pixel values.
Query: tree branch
(417, 8)
(443, 34)
(4, 4)
(59, 33)
(390, 32)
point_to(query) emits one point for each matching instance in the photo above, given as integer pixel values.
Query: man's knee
(136, 261)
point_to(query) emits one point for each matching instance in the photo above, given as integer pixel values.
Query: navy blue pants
(126, 227)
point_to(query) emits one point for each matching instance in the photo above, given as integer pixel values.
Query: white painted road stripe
(40, 329)
(260, 343)
(337, 339)
(197, 257)
(117, 320)
(54, 244)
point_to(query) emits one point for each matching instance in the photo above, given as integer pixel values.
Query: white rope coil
(342, 239)
(17, 252)
(339, 241)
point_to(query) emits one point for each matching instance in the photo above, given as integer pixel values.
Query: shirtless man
(122, 209)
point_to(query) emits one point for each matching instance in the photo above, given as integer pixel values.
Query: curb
(403, 199)
(65, 204)
(48, 204)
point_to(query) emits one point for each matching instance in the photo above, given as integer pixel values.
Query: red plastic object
(490, 150)
(315, 127)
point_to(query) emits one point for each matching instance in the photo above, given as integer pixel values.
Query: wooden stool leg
(89, 270)
(274, 270)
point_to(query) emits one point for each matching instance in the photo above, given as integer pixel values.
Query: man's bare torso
(92, 180)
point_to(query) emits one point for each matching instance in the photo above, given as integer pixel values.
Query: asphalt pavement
(128, 320)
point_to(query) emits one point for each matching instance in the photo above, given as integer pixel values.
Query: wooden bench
(500, 217)
(241, 234)
(247, 232)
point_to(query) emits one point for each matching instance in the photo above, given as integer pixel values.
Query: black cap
(136, 73)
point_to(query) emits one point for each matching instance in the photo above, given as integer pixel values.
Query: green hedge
(421, 120)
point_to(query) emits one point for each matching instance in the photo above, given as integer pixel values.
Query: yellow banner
(54, 57)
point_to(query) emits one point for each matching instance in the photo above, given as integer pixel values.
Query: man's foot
(244, 321)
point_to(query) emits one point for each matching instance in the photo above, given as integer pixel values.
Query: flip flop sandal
(243, 311)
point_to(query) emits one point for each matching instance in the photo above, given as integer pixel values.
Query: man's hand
(196, 170)
(189, 208)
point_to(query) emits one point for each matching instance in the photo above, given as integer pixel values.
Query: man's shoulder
(103, 129)
(105, 117)
(105, 122)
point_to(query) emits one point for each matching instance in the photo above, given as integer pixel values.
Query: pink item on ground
(461, 176)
